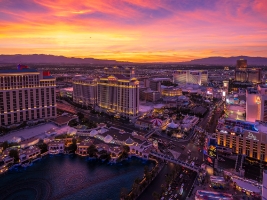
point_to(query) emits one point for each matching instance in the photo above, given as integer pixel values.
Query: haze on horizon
(134, 30)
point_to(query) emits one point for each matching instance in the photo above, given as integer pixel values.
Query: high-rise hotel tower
(26, 95)
(118, 94)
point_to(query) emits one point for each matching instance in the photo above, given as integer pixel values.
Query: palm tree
(136, 185)
(146, 169)
(126, 148)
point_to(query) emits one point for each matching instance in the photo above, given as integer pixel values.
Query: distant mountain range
(228, 61)
(51, 59)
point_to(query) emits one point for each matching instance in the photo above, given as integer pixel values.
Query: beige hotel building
(84, 90)
(118, 95)
(26, 95)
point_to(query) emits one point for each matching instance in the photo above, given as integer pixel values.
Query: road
(178, 147)
(187, 180)
(155, 185)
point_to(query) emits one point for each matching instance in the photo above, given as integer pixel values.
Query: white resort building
(56, 147)
(30, 153)
(82, 148)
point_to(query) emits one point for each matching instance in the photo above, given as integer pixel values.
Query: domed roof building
(129, 141)
(156, 122)
(93, 133)
(172, 125)
(102, 130)
(108, 139)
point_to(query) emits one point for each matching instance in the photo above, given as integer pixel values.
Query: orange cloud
(140, 31)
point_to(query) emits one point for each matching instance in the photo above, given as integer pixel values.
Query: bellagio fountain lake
(70, 177)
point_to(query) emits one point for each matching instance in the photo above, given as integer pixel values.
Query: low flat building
(4, 164)
(171, 91)
(143, 123)
(115, 151)
(82, 148)
(56, 147)
(29, 142)
(150, 95)
(28, 154)
(237, 112)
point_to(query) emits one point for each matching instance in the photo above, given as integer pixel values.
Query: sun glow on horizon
(136, 31)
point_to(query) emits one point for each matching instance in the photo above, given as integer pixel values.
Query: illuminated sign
(223, 93)
(225, 84)
(210, 151)
(251, 136)
(212, 147)
(258, 100)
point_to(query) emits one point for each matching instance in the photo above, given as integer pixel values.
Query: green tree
(126, 148)
(92, 150)
(124, 193)
(80, 116)
(156, 195)
(4, 145)
(148, 176)
(3, 130)
(13, 153)
(146, 170)
(43, 147)
(73, 146)
(73, 123)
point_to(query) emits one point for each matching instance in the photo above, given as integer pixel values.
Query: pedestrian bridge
(150, 133)
(173, 160)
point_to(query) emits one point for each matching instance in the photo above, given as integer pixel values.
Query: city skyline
(135, 31)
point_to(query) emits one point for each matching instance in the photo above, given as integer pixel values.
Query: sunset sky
(134, 30)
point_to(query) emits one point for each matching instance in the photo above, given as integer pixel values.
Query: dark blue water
(70, 177)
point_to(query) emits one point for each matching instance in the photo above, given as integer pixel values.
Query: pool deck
(28, 132)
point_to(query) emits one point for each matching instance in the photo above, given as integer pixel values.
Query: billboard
(212, 148)
(210, 151)
(209, 160)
